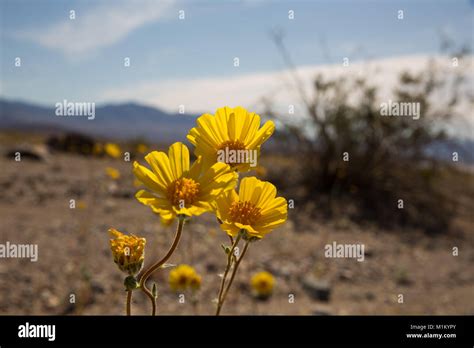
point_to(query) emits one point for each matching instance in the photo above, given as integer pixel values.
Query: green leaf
(225, 248)
(168, 265)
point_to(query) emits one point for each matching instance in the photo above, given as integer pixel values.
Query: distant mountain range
(124, 121)
(131, 120)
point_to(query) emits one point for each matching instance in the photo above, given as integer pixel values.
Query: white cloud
(207, 94)
(102, 26)
(247, 89)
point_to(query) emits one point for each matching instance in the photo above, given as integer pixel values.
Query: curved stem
(129, 302)
(234, 272)
(151, 297)
(160, 263)
(224, 277)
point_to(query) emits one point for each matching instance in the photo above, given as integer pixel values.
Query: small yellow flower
(128, 251)
(141, 148)
(255, 209)
(184, 277)
(112, 173)
(98, 149)
(195, 283)
(230, 129)
(262, 284)
(176, 188)
(113, 150)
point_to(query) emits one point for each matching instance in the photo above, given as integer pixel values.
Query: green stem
(234, 272)
(129, 302)
(226, 272)
(151, 297)
(160, 263)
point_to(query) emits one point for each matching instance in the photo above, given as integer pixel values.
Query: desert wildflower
(262, 284)
(128, 251)
(248, 215)
(98, 149)
(112, 173)
(184, 277)
(195, 283)
(255, 209)
(141, 148)
(176, 188)
(112, 150)
(233, 132)
(81, 205)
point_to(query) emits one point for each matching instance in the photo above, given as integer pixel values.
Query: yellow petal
(223, 203)
(160, 165)
(149, 199)
(222, 122)
(114, 233)
(210, 131)
(265, 195)
(247, 187)
(231, 229)
(252, 128)
(179, 159)
(278, 204)
(262, 135)
(217, 178)
(239, 120)
(148, 178)
(196, 169)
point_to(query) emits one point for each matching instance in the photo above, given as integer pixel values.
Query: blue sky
(82, 59)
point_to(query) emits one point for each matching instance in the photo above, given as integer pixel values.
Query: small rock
(211, 267)
(32, 152)
(370, 295)
(109, 206)
(97, 288)
(346, 275)
(322, 310)
(123, 193)
(369, 252)
(49, 299)
(317, 289)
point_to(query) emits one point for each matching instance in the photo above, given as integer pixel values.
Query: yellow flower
(195, 283)
(227, 133)
(262, 284)
(141, 148)
(113, 150)
(98, 149)
(184, 277)
(175, 188)
(255, 209)
(128, 251)
(112, 173)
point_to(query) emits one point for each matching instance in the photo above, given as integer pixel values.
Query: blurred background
(321, 70)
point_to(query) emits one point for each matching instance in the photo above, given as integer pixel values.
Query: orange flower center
(235, 145)
(244, 212)
(183, 191)
(232, 145)
(182, 280)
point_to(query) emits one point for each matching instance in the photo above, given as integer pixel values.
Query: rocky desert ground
(74, 256)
